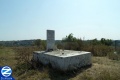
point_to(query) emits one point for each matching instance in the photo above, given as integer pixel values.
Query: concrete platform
(63, 60)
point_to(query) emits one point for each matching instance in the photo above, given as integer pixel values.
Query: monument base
(63, 60)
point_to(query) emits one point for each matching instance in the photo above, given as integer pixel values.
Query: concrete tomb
(61, 59)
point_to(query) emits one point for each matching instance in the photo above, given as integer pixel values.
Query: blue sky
(29, 19)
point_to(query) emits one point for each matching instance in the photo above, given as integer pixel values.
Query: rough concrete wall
(64, 63)
(41, 57)
(70, 63)
(77, 61)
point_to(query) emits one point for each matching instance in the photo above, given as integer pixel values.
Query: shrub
(23, 54)
(98, 50)
(60, 46)
(114, 56)
(23, 57)
(101, 50)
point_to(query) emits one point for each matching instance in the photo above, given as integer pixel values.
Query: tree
(107, 42)
(72, 43)
(69, 38)
(95, 42)
(43, 45)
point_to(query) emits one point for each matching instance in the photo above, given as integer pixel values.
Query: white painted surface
(50, 39)
(67, 61)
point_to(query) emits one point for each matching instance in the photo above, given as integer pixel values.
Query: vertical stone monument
(50, 40)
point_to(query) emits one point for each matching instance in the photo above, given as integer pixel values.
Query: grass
(102, 68)
(7, 56)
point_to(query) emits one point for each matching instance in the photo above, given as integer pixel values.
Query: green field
(102, 69)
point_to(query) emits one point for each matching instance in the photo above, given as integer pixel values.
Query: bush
(70, 46)
(114, 56)
(23, 54)
(98, 50)
(101, 50)
(23, 57)
(96, 47)
(40, 43)
(60, 46)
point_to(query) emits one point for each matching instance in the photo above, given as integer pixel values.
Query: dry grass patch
(102, 69)
(7, 56)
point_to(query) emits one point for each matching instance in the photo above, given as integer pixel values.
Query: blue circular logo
(6, 71)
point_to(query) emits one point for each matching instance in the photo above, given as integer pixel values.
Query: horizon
(55, 39)
(28, 19)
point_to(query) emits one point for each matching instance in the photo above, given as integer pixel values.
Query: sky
(88, 19)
